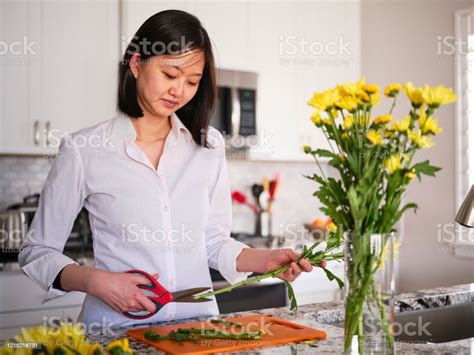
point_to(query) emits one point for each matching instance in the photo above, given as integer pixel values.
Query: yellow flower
(420, 140)
(122, 344)
(348, 103)
(410, 174)
(392, 90)
(324, 100)
(374, 99)
(439, 95)
(428, 125)
(392, 163)
(414, 94)
(383, 119)
(352, 89)
(335, 113)
(365, 97)
(327, 121)
(370, 89)
(374, 137)
(402, 125)
(344, 136)
(316, 118)
(331, 227)
(348, 122)
(389, 134)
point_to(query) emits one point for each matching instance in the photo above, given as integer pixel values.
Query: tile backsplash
(294, 204)
(21, 176)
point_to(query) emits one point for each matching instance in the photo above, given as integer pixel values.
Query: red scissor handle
(163, 295)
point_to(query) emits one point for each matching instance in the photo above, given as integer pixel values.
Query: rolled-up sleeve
(41, 254)
(222, 250)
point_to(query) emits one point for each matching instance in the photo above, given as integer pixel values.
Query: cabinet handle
(36, 133)
(48, 124)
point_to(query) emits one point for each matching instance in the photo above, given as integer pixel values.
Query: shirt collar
(122, 130)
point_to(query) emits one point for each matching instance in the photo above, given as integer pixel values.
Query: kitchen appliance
(235, 112)
(277, 332)
(16, 220)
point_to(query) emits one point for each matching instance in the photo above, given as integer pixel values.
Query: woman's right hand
(119, 290)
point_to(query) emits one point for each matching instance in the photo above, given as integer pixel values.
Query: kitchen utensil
(162, 296)
(274, 185)
(239, 197)
(278, 331)
(257, 190)
(266, 184)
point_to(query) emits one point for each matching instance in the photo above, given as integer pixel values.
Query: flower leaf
(425, 168)
(331, 277)
(291, 296)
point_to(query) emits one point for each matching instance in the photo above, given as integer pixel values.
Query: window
(463, 48)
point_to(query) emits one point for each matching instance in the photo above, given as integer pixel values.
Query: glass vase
(369, 292)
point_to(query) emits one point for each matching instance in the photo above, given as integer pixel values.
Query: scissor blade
(188, 292)
(191, 299)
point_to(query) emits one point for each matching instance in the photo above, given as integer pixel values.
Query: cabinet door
(228, 26)
(79, 55)
(16, 130)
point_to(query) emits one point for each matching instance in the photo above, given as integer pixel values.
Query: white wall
(399, 43)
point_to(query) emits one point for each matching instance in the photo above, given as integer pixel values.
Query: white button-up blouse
(174, 220)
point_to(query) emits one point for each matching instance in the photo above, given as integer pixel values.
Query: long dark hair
(179, 28)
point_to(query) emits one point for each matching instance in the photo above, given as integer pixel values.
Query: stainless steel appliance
(16, 220)
(235, 114)
(268, 293)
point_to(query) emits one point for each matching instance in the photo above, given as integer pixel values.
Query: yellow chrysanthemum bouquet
(65, 339)
(375, 160)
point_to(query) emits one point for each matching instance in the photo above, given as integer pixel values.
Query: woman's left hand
(280, 257)
(265, 260)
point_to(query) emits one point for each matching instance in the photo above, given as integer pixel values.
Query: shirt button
(166, 208)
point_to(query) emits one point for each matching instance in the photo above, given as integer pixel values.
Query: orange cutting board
(278, 331)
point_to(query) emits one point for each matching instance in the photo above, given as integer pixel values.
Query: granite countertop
(325, 316)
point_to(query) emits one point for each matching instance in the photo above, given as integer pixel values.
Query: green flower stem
(274, 273)
(383, 316)
(251, 280)
(393, 104)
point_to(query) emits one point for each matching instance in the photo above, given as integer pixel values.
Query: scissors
(163, 296)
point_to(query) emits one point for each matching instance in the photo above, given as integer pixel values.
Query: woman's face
(166, 83)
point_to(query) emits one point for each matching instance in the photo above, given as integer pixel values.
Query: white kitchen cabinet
(69, 82)
(16, 129)
(27, 310)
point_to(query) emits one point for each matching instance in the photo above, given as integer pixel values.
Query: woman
(156, 188)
